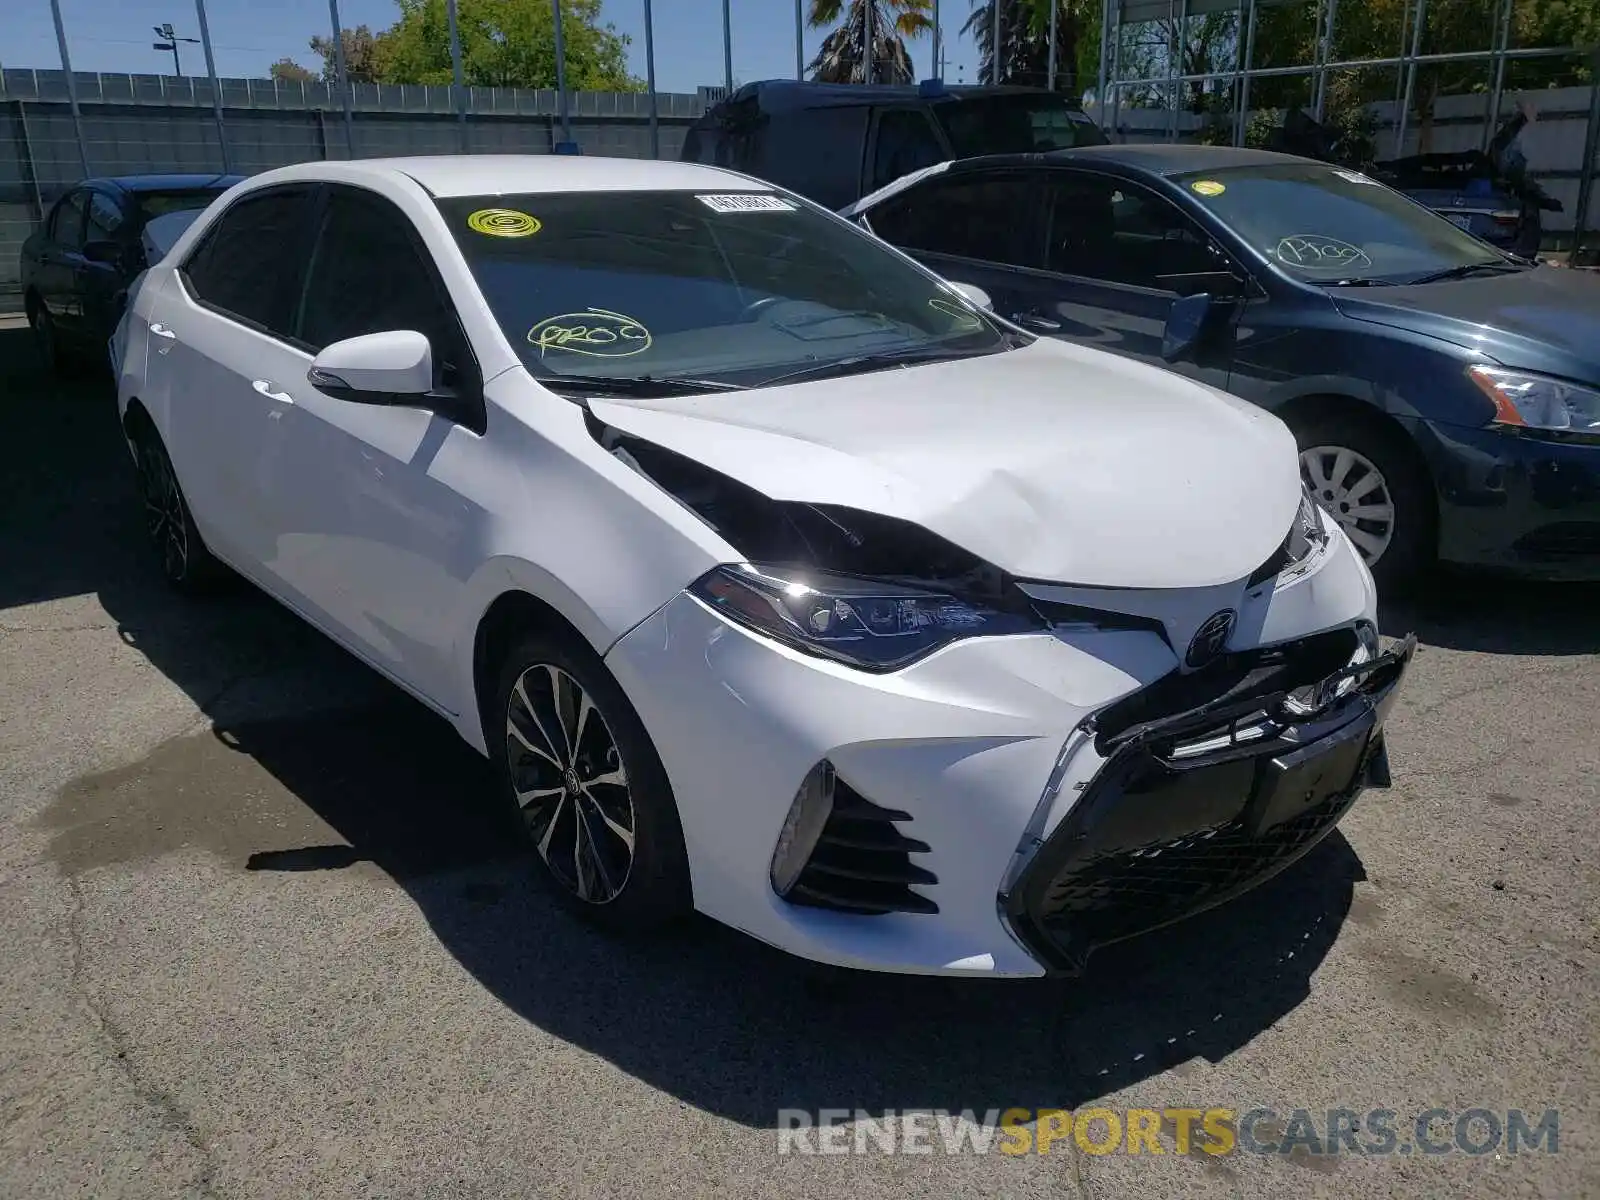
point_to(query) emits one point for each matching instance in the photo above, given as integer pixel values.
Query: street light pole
(169, 41)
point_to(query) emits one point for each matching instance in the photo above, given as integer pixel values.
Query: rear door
(979, 227)
(226, 367)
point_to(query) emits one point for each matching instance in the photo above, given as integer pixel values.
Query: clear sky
(248, 35)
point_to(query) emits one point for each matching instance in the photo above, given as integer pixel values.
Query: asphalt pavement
(261, 937)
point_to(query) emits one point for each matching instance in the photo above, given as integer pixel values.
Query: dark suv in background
(834, 143)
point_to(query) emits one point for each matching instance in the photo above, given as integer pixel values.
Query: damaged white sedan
(776, 577)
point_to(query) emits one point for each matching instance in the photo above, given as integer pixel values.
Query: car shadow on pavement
(735, 1028)
(1459, 610)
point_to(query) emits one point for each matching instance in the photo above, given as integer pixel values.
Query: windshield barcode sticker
(1355, 177)
(746, 202)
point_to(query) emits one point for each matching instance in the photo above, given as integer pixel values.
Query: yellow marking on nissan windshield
(1207, 187)
(596, 332)
(503, 222)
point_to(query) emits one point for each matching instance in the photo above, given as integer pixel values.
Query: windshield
(1323, 224)
(738, 288)
(1015, 124)
(158, 204)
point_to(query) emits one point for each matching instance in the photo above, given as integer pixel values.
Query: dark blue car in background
(76, 268)
(1445, 395)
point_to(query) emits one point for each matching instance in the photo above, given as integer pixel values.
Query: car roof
(1158, 158)
(787, 95)
(166, 183)
(449, 175)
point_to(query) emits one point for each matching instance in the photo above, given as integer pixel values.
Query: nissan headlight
(865, 623)
(1524, 400)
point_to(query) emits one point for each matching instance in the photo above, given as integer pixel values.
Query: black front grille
(862, 861)
(1198, 806)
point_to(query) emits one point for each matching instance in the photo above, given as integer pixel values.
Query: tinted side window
(248, 263)
(106, 218)
(66, 230)
(816, 152)
(905, 143)
(987, 217)
(368, 275)
(1102, 228)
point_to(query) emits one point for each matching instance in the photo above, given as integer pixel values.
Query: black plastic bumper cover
(1165, 830)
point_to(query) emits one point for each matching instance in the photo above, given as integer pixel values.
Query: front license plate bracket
(1300, 780)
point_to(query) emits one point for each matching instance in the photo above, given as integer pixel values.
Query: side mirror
(1220, 285)
(1185, 323)
(375, 368)
(105, 252)
(975, 294)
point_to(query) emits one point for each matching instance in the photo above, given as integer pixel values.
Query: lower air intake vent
(862, 862)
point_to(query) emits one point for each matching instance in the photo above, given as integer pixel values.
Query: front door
(1113, 253)
(369, 533)
(59, 259)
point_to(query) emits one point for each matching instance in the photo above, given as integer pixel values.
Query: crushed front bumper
(1195, 807)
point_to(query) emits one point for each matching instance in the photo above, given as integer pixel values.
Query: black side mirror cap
(1219, 285)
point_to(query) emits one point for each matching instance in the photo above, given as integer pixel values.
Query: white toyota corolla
(777, 577)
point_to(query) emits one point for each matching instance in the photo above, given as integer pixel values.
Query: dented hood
(1052, 462)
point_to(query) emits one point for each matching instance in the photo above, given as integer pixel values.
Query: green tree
(360, 55)
(1025, 42)
(286, 70)
(505, 43)
(887, 24)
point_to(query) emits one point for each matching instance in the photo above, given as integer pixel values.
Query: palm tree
(884, 23)
(1025, 41)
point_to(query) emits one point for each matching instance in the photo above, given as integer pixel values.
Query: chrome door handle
(161, 331)
(268, 389)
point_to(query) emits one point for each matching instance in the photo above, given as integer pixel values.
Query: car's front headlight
(865, 623)
(1308, 534)
(1524, 400)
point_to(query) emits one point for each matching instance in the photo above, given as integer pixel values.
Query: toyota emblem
(1210, 639)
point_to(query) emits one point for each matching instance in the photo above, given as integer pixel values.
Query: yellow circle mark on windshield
(1207, 187)
(503, 222)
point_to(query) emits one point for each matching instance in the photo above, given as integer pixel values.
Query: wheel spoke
(616, 777)
(1370, 512)
(553, 752)
(1372, 482)
(1343, 460)
(622, 832)
(585, 707)
(529, 796)
(592, 852)
(1370, 545)
(559, 703)
(522, 740)
(550, 829)
(1313, 467)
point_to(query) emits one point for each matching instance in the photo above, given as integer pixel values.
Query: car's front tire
(1363, 476)
(184, 559)
(584, 786)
